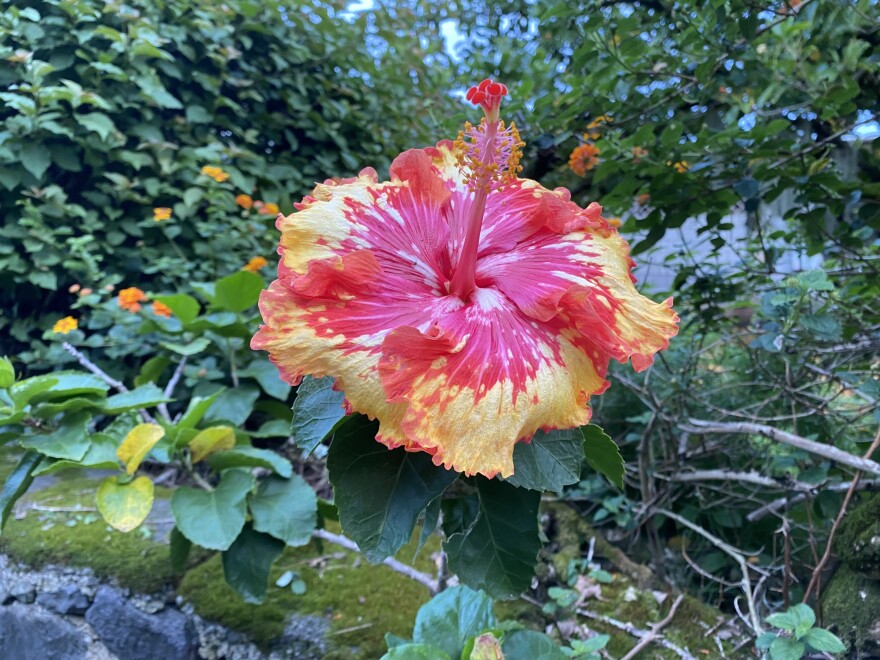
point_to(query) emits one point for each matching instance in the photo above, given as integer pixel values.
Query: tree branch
(741, 477)
(780, 502)
(655, 630)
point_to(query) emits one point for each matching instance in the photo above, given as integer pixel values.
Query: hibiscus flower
(461, 306)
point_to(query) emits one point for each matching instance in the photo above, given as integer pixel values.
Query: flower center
(488, 156)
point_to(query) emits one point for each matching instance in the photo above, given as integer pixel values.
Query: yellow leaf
(125, 506)
(137, 444)
(216, 438)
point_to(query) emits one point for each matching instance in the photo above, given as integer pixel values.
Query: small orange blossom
(255, 264)
(161, 309)
(65, 325)
(215, 173)
(131, 298)
(244, 201)
(161, 213)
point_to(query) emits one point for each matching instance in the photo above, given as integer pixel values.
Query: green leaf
(7, 373)
(192, 348)
(248, 457)
(210, 441)
(179, 549)
(239, 291)
(452, 617)
(485, 647)
(17, 483)
(317, 410)
(247, 562)
(602, 454)
(151, 370)
(48, 410)
(97, 122)
(196, 409)
(823, 641)
(35, 158)
(213, 519)
(530, 644)
(814, 280)
(266, 374)
(101, 454)
(783, 620)
(805, 618)
(497, 551)
(380, 492)
(233, 405)
(125, 506)
(54, 386)
(145, 396)
(286, 509)
(551, 461)
(69, 440)
(184, 307)
(784, 648)
(429, 524)
(137, 444)
(415, 652)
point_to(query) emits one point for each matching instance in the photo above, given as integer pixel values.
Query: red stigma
(488, 95)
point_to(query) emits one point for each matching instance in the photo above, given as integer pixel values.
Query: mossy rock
(858, 540)
(851, 609)
(59, 524)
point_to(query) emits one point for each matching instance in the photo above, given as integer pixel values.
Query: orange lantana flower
(256, 264)
(244, 201)
(215, 173)
(161, 213)
(584, 158)
(161, 309)
(681, 166)
(65, 325)
(264, 208)
(638, 153)
(614, 222)
(131, 298)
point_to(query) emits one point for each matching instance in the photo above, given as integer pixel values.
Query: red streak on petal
(339, 277)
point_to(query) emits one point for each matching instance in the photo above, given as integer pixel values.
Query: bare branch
(169, 389)
(827, 451)
(655, 630)
(775, 505)
(737, 477)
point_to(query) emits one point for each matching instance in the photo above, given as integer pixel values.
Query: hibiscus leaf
(552, 460)
(602, 454)
(452, 617)
(213, 519)
(380, 493)
(286, 509)
(497, 552)
(247, 562)
(316, 411)
(531, 644)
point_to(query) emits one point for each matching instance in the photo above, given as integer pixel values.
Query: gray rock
(24, 592)
(134, 635)
(32, 632)
(303, 638)
(68, 600)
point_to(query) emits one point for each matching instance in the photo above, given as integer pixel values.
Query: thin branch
(169, 389)
(655, 630)
(817, 572)
(103, 375)
(390, 562)
(775, 505)
(827, 451)
(739, 477)
(635, 632)
(739, 556)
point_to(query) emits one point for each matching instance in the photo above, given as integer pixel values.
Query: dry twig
(655, 630)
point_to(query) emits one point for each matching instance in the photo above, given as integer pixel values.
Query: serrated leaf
(498, 551)
(783, 620)
(784, 648)
(211, 440)
(823, 641)
(70, 440)
(412, 651)
(97, 122)
(17, 483)
(239, 291)
(602, 454)
(248, 457)
(380, 492)
(125, 506)
(551, 461)
(286, 509)
(247, 562)
(452, 617)
(530, 644)
(137, 444)
(34, 158)
(814, 280)
(213, 519)
(145, 396)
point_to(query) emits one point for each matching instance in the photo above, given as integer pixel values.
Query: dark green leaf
(415, 652)
(55, 385)
(498, 551)
(247, 562)
(551, 461)
(530, 644)
(286, 509)
(316, 411)
(213, 519)
(152, 370)
(380, 492)
(196, 409)
(69, 440)
(101, 454)
(17, 483)
(266, 374)
(145, 396)
(233, 405)
(35, 158)
(429, 523)
(602, 454)
(179, 548)
(452, 617)
(247, 457)
(824, 641)
(785, 648)
(184, 307)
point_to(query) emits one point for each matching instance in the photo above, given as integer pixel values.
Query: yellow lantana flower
(65, 325)
(161, 213)
(215, 173)
(267, 208)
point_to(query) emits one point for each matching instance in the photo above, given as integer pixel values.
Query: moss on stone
(82, 538)
(851, 609)
(362, 601)
(858, 539)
